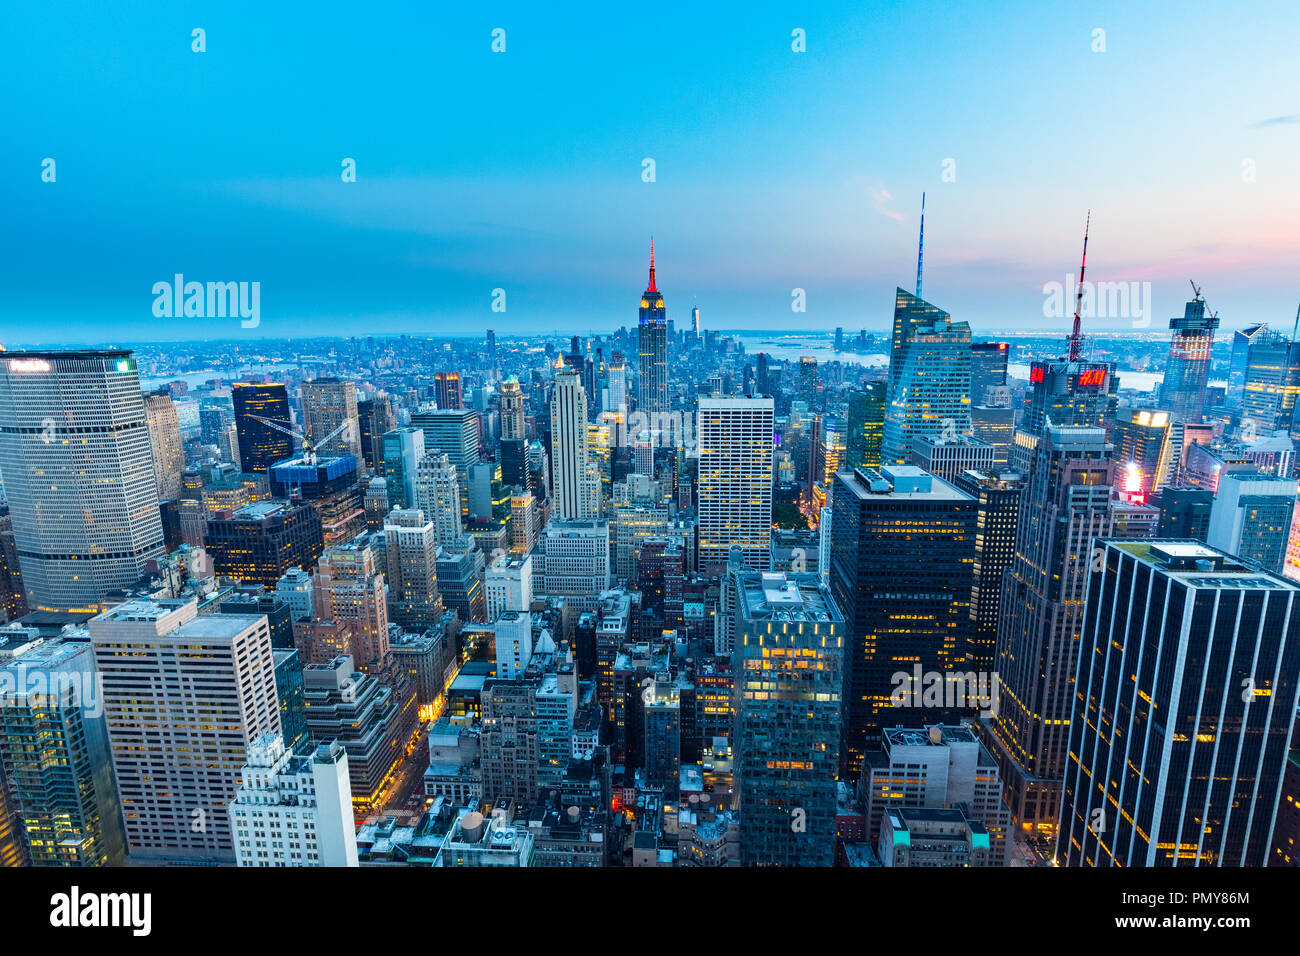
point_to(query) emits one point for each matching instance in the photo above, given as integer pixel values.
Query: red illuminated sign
(1036, 374)
(1092, 376)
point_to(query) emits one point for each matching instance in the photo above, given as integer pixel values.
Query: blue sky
(522, 170)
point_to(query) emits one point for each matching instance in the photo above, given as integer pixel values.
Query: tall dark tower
(1183, 392)
(260, 445)
(652, 347)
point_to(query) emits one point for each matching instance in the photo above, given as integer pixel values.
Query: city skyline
(672, 438)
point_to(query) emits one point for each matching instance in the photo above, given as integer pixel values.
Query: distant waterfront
(792, 348)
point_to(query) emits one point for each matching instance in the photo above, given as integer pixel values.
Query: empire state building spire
(652, 347)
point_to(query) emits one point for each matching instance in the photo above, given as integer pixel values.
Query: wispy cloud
(882, 198)
(1278, 121)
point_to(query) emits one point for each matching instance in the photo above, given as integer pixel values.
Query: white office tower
(185, 697)
(735, 479)
(437, 494)
(575, 484)
(514, 643)
(165, 441)
(294, 810)
(572, 562)
(78, 471)
(508, 584)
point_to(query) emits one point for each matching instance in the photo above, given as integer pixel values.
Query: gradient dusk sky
(522, 170)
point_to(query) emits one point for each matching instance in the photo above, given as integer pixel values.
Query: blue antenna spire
(920, 248)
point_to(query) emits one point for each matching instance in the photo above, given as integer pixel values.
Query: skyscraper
(13, 597)
(1183, 709)
(866, 425)
(1146, 452)
(330, 485)
(1185, 513)
(1240, 360)
(948, 457)
(513, 423)
(788, 663)
(995, 425)
(260, 445)
(735, 479)
(617, 384)
(652, 347)
(54, 752)
(403, 450)
(78, 474)
(293, 810)
(184, 697)
(455, 433)
(902, 557)
(576, 484)
(447, 386)
(661, 702)
(929, 377)
(988, 369)
(165, 442)
(808, 381)
(373, 721)
(509, 740)
(1071, 392)
(374, 417)
(348, 589)
(1251, 518)
(460, 579)
(259, 542)
(329, 404)
(1272, 383)
(1066, 502)
(1183, 391)
(411, 552)
(572, 561)
(997, 510)
(437, 495)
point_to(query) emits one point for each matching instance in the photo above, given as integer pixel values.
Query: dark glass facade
(260, 542)
(1184, 708)
(901, 573)
(260, 445)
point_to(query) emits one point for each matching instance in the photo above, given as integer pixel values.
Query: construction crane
(1196, 292)
(308, 446)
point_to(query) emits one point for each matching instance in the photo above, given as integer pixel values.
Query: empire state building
(652, 348)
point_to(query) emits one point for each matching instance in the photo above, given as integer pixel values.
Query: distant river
(195, 379)
(791, 349)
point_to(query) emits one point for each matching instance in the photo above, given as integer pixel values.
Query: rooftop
(1198, 565)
